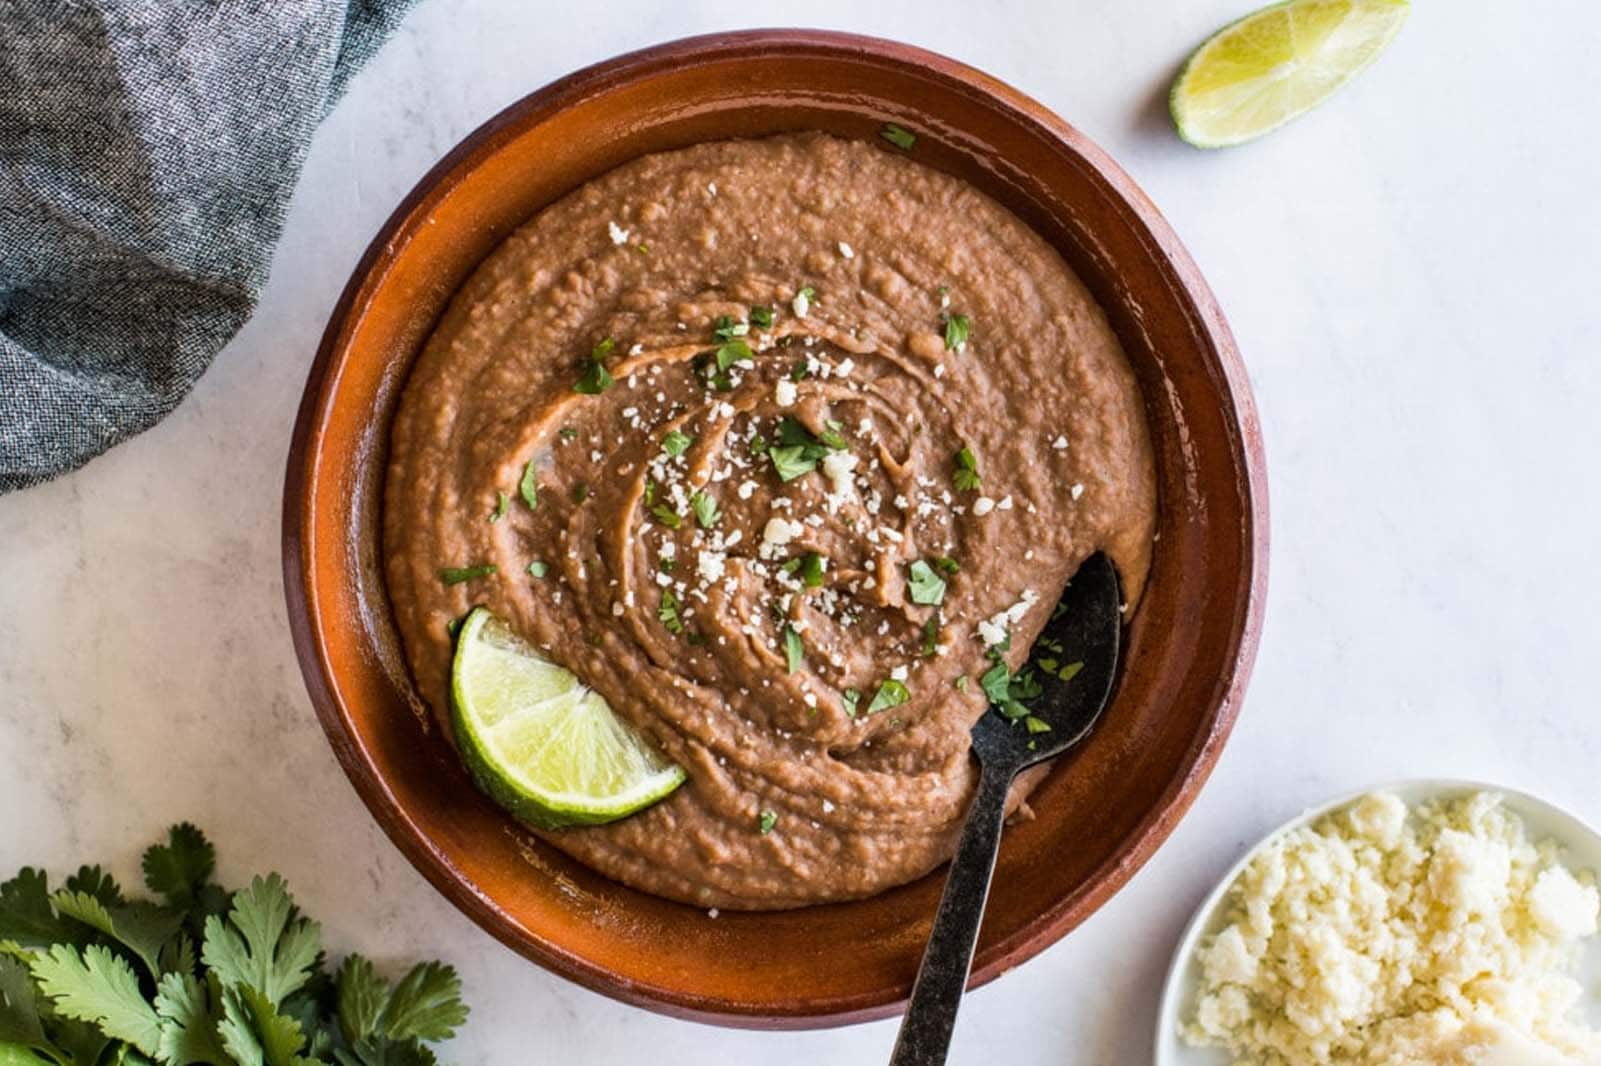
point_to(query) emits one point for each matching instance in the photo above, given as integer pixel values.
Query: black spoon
(1087, 627)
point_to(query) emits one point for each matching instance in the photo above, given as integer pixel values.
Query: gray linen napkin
(147, 153)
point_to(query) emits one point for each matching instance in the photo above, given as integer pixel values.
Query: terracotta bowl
(1102, 811)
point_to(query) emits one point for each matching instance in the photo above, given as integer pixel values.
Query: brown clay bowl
(1102, 811)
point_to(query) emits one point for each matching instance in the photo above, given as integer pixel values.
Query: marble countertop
(1414, 276)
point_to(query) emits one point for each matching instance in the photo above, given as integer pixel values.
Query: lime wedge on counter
(1277, 64)
(538, 742)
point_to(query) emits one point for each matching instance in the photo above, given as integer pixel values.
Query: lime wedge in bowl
(1256, 74)
(538, 742)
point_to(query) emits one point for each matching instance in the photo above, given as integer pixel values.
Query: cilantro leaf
(595, 379)
(425, 1005)
(528, 487)
(891, 693)
(898, 136)
(997, 683)
(812, 568)
(98, 986)
(925, 586)
(676, 442)
(727, 328)
(255, 1033)
(178, 869)
(455, 575)
(262, 944)
(502, 504)
(362, 997)
(19, 1008)
(705, 508)
(667, 516)
(794, 649)
(852, 697)
(140, 927)
(791, 461)
(190, 1012)
(957, 328)
(948, 565)
(766, 821)
(761, 317)
(667, 613)
(964, 474)
(28, 920)
(95, 882)
(931, 634)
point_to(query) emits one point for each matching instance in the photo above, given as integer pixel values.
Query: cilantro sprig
(198, 975)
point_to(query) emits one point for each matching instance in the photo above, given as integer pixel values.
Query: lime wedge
(1277, 64)
(542, 745)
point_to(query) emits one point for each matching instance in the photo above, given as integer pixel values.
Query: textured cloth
(147, 153)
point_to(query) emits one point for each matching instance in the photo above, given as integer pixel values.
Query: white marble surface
(1414, 275)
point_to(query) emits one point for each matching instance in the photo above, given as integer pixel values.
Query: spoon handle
(925, 1035)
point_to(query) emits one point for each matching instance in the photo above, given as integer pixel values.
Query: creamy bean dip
(807, 427)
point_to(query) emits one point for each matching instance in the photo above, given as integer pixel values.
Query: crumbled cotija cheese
(1372, 937)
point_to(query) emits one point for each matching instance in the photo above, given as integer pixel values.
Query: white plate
(1541, 820)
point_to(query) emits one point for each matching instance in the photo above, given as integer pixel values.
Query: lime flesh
(1272, 66)
(538, 742)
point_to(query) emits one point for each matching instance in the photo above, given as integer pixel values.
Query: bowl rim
(305, 459)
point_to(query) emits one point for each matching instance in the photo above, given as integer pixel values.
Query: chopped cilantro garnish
(931, 635)
(794, 650)
(791, 565)
(899, 136)
(811, 570)
(537, 568)
(957, 328)
(799, 450)
(961, 683)
(455, 575)
(568, 433)
(891, 693)
(705, 507)
(666, 566)
(502, 502)
(808, 293)
(596, 379)
(667, 613)
(946, 564)
(799, 372)
(996, 683)
(925, 586)
(650, 491)
(766, 821)
(761, 317)
(528, 488)
(735, 351)
(852, 698)
(758, 445)
(667, 516)
(727, 328)
(791, 462)
(676, 443)
(965, 473)
(581, 492)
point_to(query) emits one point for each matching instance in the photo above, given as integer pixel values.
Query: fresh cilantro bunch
(91, 977)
